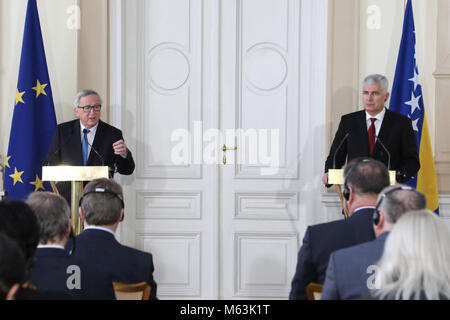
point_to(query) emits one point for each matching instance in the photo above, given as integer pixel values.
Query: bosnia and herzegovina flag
(407, 99)
(34, 120)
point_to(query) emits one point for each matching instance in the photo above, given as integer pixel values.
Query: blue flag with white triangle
(407, 99)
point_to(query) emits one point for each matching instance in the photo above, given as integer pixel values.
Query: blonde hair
(416, 260)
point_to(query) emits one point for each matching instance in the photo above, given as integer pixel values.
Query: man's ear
(378, 228)
(81, 212)
(351, 194)
(69, 227)
(122, 215)
(381, 222)
(12, 291)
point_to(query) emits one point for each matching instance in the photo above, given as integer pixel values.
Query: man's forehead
(90, 97)
(374, 87)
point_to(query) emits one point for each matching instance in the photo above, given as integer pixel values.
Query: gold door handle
(224, 149)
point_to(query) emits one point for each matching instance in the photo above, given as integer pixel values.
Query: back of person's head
(102, 202)
(12, 266)
(394, 201)
(367, 176)
(18, 221)
(53, 214)
(416, 260)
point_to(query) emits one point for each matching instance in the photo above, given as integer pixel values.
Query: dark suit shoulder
(321, 228)
(90, 236)
(107, 127)
(136, 252)
(346, 253)
(69, 125)
(353, 115)
(360, 222)
(397, 117)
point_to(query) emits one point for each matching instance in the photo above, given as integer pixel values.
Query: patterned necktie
(84, 146)
(372, 136)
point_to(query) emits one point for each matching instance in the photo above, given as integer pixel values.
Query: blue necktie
(85, 145)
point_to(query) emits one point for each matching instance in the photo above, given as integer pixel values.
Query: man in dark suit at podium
(88, 141)
(101, 258)
(364, 180)
(375, 132)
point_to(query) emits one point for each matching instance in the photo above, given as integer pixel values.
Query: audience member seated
(12, 267)
(350, 271)
(416, 260)
(101, 258)
(364, 180)
(18, 221)
(50, 271)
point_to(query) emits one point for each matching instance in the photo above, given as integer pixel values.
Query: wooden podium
(336, 177)
(76, 175)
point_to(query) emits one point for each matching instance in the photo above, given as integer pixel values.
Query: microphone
(387, 151)
(92, 148)
(337, 149)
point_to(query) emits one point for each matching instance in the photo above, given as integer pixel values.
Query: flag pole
(2, 173)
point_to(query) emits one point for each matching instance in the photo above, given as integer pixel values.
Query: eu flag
(34, 120)
(407, 99)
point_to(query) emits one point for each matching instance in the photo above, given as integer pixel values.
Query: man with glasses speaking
(89, 141)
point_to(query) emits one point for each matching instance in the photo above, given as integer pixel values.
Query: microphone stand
(338, 186)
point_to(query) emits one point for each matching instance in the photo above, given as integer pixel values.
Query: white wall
(379, 46)
(60, 44)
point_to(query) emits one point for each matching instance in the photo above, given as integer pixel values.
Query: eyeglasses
(88, 109)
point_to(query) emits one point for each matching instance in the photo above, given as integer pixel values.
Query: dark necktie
(372, 136)
(84, 146)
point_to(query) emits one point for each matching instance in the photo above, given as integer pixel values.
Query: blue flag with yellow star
(407, 99)
(34, 120)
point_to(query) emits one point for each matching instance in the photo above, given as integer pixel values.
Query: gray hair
(84, 93)
(53, 214)
(102, 208)
(416, 259)
(398, 201)
(377, 78)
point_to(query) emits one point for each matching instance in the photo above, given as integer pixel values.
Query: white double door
(189, 77)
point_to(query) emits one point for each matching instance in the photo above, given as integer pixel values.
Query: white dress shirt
(90, 136)
(377, 123)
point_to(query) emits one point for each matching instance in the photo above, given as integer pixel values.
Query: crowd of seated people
(389, 248)
(50, 263)
(367, 256)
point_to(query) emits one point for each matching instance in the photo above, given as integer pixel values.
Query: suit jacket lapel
(362, 131)
(76, 142)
